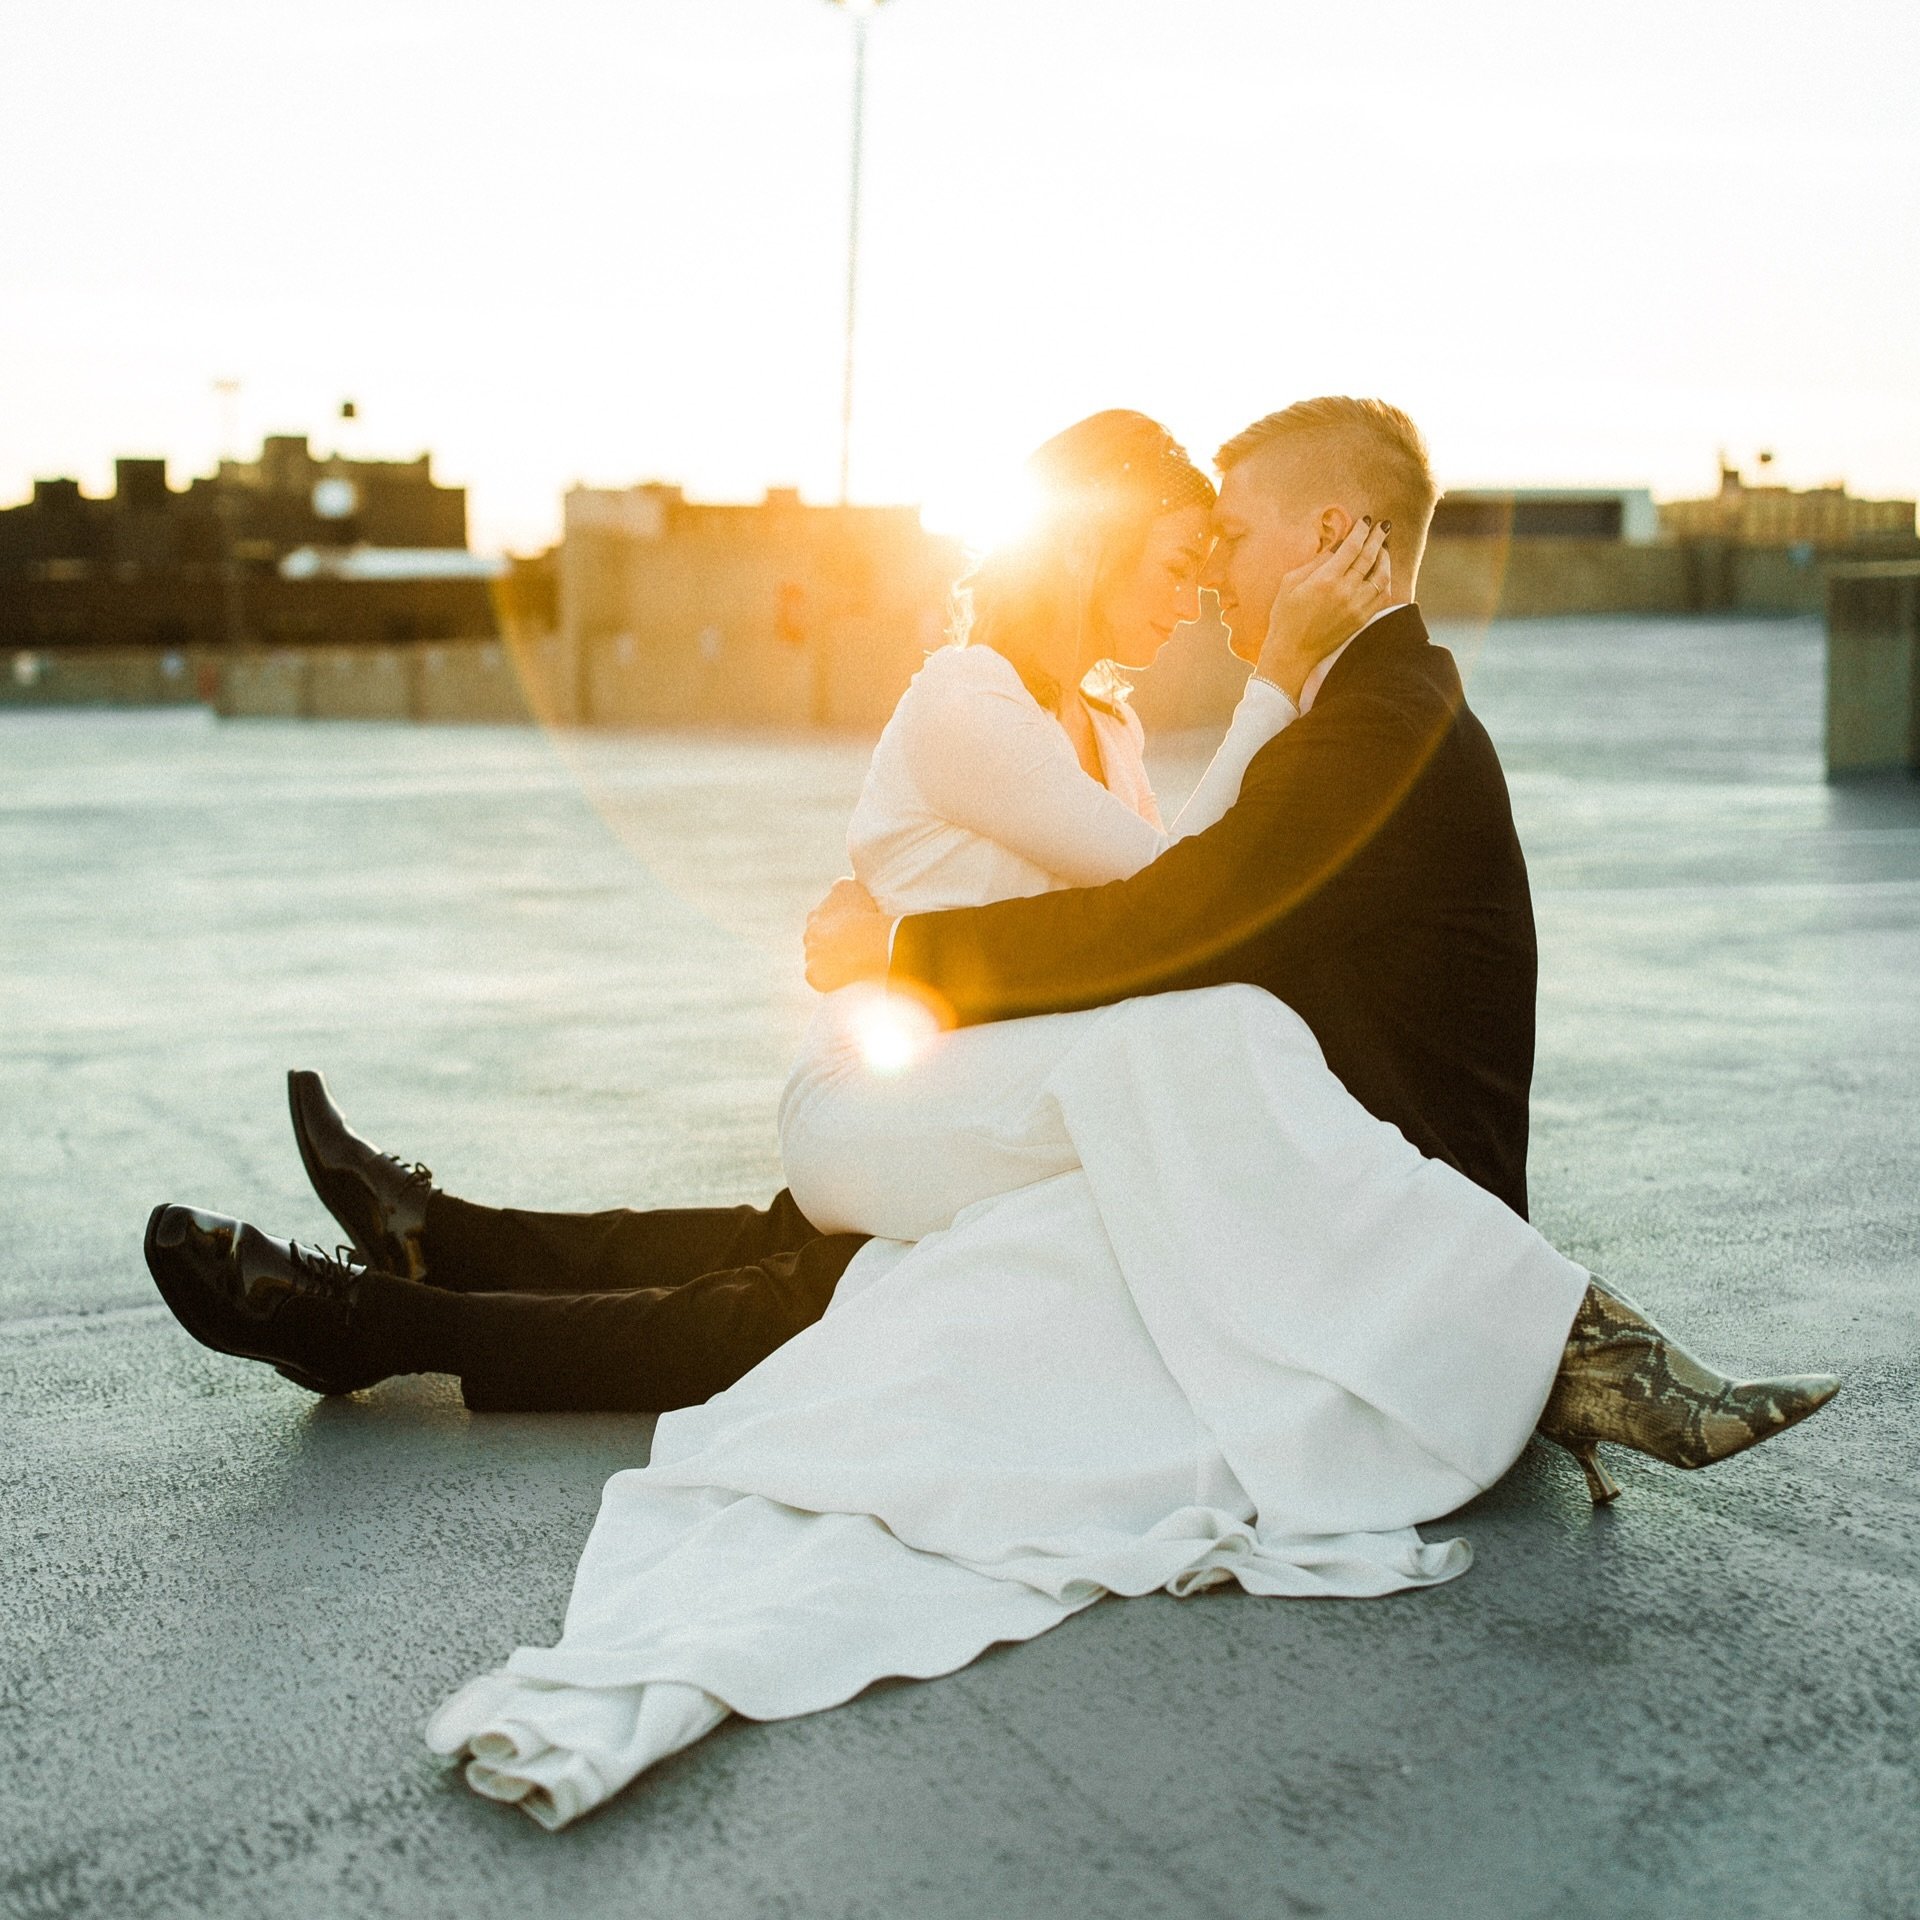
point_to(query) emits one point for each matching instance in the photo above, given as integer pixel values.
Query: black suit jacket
(1369, 876)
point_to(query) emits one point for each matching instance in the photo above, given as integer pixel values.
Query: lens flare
(891, 1030)
(985, 510)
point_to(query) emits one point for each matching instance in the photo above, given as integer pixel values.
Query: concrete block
(470, 682)
(262, 684)
(1873, 668)
(360, 683)
(724, 672)
(66, 676)
(547, 668)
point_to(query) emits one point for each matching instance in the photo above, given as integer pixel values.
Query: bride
(1153, 1304)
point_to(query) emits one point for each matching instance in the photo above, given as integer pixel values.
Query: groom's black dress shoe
(239, 1291)
(380, 1202)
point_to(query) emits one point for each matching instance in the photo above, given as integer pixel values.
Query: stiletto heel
(1624, 1381)
(1601, 1485)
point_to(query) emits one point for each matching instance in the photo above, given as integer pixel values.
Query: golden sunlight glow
(891, 1030)
(982, 510)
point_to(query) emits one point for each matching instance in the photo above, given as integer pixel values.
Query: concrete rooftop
(566, 973)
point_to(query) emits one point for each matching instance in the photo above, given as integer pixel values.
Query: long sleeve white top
(975, 792)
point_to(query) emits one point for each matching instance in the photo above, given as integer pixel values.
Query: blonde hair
(1101, 484)
(1369, 448)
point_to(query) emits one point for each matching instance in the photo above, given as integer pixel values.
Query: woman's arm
(986, 757)
(1263, 713)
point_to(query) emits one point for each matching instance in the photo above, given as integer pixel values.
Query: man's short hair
(1368, 446)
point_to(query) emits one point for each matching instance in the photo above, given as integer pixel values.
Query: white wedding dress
(1179, 1312)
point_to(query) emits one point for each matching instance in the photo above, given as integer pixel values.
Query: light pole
(859, 10)
(226, 505)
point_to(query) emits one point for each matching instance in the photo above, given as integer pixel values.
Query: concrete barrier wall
(486, 682)
(848, 675)
(718, 635)
(359, 683)
(1520, 579)
(1873, 669)
(476, 685)
(69, 676)
(474, 682)
(1770, 580)
(262, 685)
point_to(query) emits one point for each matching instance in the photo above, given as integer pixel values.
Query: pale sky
(603, 240)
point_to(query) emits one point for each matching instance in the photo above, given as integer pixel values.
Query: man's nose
(1213, 574)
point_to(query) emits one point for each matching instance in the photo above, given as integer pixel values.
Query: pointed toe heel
(1624, 1381)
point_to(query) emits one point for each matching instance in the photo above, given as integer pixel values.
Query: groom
(1369, 876)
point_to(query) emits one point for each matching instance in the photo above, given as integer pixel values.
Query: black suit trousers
(624, 1311)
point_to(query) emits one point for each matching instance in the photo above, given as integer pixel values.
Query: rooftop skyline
(604, 242)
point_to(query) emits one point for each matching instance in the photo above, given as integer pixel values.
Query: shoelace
(330, 1271)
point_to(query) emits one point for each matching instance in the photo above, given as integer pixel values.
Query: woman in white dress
(1159, 1329)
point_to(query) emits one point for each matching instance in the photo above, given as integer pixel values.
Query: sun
(983, 509)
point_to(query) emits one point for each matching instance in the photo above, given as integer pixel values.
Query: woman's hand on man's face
(1323, 603)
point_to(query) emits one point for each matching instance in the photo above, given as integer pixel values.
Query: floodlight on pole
(859, 12)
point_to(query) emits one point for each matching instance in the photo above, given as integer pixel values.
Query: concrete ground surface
(565, 972)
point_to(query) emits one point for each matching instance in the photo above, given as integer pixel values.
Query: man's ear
(1335, 524)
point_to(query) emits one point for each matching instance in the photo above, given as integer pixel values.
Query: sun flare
(892, 1031)
(982, 510)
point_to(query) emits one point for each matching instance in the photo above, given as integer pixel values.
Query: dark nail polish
(1366, 519)
(1386, 526)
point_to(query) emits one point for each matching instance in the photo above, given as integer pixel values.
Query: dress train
(1251, 1337)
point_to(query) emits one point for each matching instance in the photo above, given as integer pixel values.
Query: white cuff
(1272, 694)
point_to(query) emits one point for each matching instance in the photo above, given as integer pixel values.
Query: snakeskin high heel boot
(1624, 1382)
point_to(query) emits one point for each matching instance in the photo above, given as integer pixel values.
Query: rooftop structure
(292, 545)
(1547, 513)
(1768, 516)
(255, 511)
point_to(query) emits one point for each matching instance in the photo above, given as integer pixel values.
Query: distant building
(1817, 517)
(771, 613)
(1624, 514)
(291, 546)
